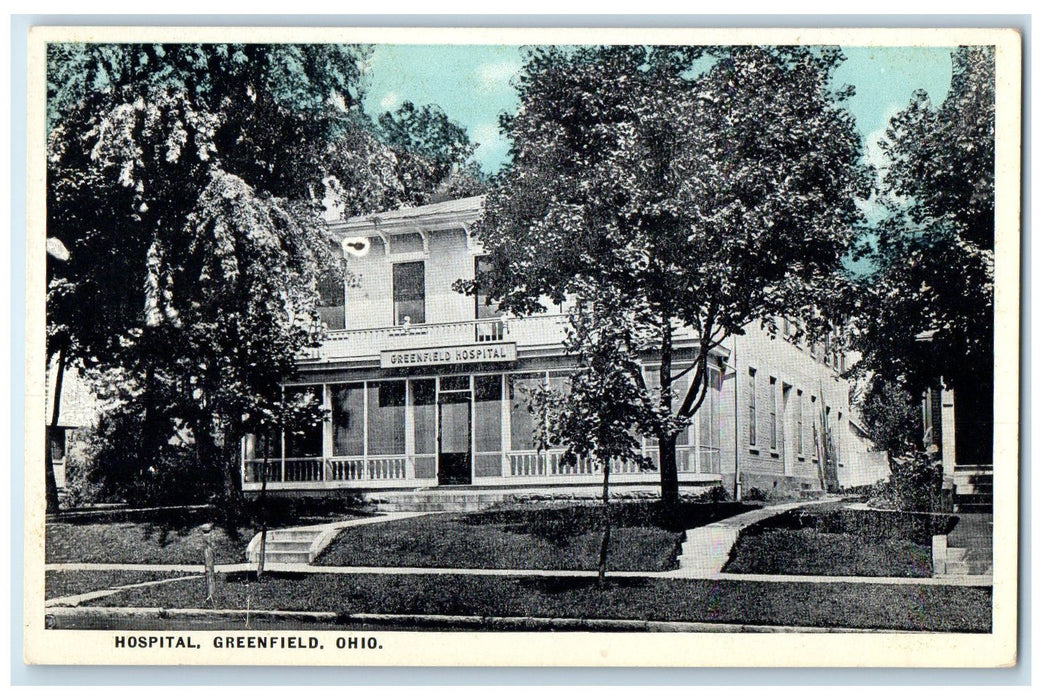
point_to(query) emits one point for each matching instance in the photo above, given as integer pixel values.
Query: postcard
(519, 347)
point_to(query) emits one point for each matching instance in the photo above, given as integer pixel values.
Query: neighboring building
(957, 427)
(426, 387)
(77, 411)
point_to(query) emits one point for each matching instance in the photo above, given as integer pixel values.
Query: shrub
(120, 464)
(916, 480)
(755, 494)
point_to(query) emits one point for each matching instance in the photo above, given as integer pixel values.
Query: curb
(57, 614)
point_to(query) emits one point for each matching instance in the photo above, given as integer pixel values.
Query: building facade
(427, 387)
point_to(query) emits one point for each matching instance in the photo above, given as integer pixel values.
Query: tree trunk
(667, 444)
(212, 459)
(667, 458)
(263, 503)
(602, 562)
(53, 505)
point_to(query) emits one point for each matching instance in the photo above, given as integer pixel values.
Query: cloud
(496, 76)
(492, 147)
(486, 133)
(390, 100)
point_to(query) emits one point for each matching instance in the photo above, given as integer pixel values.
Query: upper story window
(752, 406)
(482, 307)
(331, 298)
(409, 293)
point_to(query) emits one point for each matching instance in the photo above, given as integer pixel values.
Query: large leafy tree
(927, 308)
(184, 181)
(705, 189)
(433, 153)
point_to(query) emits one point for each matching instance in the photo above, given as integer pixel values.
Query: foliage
(115, 469)
(434, 154)
(193, 234)
(917, 479)
(933, 256)
(705, 199)
(892, 416)
(755, 494)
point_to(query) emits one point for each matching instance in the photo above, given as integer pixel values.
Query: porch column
(410, 433)
(327, 432)
(504, 415)
(947, 432)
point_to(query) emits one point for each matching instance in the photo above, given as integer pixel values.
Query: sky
(472, 84)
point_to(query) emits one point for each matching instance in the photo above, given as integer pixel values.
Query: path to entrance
(705, 549)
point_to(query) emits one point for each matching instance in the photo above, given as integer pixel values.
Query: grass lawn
(551, 538)
(834, 541)
(140, 543)
(875, 606)
(59, 584)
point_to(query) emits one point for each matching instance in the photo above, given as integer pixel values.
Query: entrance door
(454, 437)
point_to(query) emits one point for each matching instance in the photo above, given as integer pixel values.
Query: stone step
(271, 557)
(270, 546)
(291, 535)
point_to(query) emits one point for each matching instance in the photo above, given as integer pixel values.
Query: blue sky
(472, 84)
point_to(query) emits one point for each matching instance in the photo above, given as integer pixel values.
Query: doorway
(454, 427)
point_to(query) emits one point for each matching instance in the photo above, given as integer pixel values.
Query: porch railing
(367, 343)
(521, 463)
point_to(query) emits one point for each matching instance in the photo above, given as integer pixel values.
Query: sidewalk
(705, 549)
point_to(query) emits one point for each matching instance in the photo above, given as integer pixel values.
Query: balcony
(366, 344)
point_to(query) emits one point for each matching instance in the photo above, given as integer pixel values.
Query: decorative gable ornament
(356, 246)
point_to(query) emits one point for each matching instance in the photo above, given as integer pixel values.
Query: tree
(432, 151)
(926, 311)
(599, 417)
(193, 230)
(707, 199)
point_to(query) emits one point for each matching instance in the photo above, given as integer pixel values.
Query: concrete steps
(285, 546)
(302, 545)
(973, 489)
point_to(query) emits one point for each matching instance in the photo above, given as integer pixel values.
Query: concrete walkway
(706, 549)
(518, 573)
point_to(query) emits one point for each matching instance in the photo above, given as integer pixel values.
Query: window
(305, 440)
(773, 406)
(708, 429)
(488, 413)
(331, 298)
(838, 438)
(386, 418)
(348, 420)
(522, 422)
(482, 307)
(57, 440)
(752, 406)
(799, 422)
(409, 297)
(814, 425)
(425, 427)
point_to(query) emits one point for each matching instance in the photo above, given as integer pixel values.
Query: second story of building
(395, 305)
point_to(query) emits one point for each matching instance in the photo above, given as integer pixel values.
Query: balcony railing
(546, 331)
(367, 343)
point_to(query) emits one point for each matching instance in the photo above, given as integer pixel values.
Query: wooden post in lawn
(602, 564)
(208, 564)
